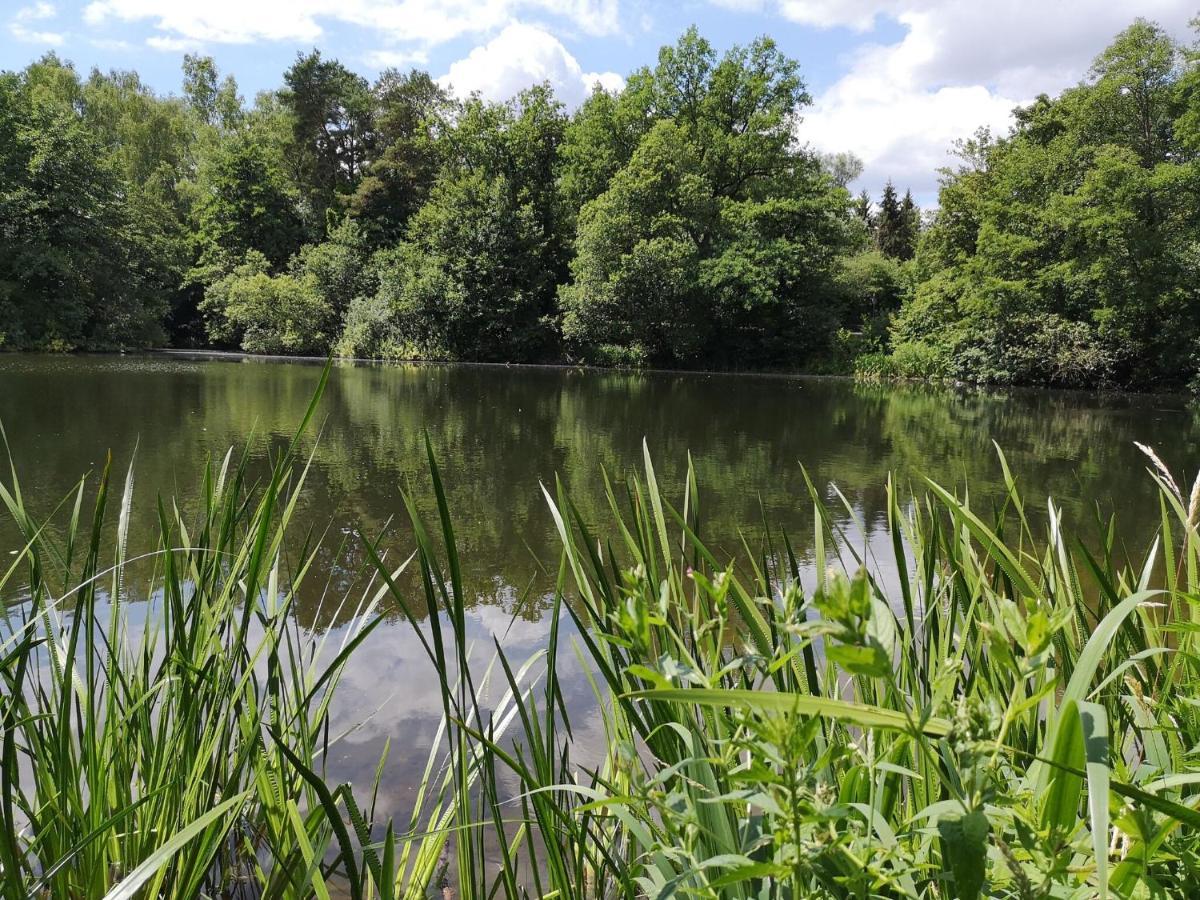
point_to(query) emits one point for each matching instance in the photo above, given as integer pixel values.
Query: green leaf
(1060, 811)
(801, 704)
(150, 866)
(870, 661)
(964, 852)
(1095, 741)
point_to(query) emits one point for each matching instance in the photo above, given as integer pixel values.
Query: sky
(895, 82)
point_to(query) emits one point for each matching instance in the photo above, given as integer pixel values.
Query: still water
(500, 432)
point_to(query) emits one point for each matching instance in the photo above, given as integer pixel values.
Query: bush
(873, 287)
(916, 359)
(263, 313)
(1038, 348)
(369, 331)
(339, 267)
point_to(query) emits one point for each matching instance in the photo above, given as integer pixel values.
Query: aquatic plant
(1013, 713)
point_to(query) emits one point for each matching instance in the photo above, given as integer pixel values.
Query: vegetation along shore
(681, 222)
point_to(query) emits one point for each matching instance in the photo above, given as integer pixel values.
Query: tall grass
(1011, 712)
(1014, 715)
(174, 747)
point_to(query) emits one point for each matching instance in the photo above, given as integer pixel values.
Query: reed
(1014, 715)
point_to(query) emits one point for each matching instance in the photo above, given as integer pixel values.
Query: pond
(501, 432)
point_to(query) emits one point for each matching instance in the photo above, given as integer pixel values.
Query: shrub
(1040, 348)
(263, 313)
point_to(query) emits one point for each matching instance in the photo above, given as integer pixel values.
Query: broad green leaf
(964, 852)
(802, 704)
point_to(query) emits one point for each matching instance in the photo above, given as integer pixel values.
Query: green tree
(339, 267)
(244, 204)
(715, 243)
(332, 117)
(896, 225)
(78, 268)
(412, 112)
(1074, 235)
(635, 295)
(214, 102)
(468, 282)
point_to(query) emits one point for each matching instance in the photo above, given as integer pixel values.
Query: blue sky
(894, 81)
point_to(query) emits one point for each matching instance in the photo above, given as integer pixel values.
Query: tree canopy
(683, 220)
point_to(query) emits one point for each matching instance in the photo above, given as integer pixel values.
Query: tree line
(682, 221)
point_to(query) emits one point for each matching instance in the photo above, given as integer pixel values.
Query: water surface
(501, 432)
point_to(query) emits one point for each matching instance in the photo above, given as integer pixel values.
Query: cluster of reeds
(171, 747)
(1014, 714)
(1011, 712)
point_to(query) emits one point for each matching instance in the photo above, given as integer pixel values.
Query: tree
(412, 113)
(200, 86)
(1074, 235)
(78, 268)
(475, 276)
(635, 293)
(332, 132)
(910, 226)
(213, 103)
(843, 168)
(468, 282)
(339, 267)
(862, 209)
(1133, 92)
(244, 204)
(715, 241)
(889, 225)
(873, 287)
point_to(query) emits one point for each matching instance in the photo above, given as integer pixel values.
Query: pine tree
(891, 235)
(862, 209)
(910, 227)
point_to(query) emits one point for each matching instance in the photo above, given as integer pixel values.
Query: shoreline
(957, 386)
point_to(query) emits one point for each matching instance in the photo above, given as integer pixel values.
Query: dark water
(499, 432)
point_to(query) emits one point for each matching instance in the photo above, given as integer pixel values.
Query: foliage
(244, 203)
(874, 286)
(263, 313)
(135, 742)
(79, 266)
(412, 113)
(635, 284)
(1077, 231)
(993, 708)
(333, 132)
(713, 242)
(1012, 718)
(467, 284)
(679, 221)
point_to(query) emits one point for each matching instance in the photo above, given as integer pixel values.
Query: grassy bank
(998, 708)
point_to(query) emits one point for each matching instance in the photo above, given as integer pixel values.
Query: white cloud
(110, 44)
(172, 44)
(521, 56)
(395, 59)
(423, 22)
(960, 65)
(35, 12)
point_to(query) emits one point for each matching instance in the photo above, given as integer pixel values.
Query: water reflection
(499, 432)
